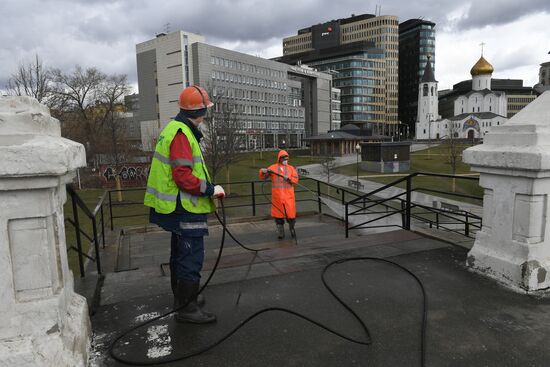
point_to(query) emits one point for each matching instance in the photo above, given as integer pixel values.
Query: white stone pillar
(513, 245)
(42, 321)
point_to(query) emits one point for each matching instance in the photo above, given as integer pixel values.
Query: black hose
(365, 342)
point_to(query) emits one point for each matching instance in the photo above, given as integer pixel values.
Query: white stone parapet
(513, 245)
(43, 322)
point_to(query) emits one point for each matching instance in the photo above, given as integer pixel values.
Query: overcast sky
(103, 33)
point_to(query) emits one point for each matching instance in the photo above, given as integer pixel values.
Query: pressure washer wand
(297, 184)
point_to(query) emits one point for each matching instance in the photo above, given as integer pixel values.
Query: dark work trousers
(186, 257)
(290, 221)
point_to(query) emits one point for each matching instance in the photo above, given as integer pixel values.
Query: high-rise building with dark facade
(362, 52)
(416, 43)
(359, 72)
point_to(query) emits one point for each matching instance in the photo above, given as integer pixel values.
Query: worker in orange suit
(283, 204)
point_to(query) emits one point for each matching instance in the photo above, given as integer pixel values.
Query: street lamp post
(357, 150)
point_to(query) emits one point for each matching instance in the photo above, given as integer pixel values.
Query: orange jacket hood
(282, 153)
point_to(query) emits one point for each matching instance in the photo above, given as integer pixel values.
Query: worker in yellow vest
(180, 194)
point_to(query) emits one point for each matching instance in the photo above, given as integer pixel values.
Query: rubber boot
(281, 231)
(201, 300)
(291, 223)
(187, 294)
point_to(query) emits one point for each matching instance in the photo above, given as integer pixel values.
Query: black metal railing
(95, 222)
(400, 203)
(378, 204)
(244, 194)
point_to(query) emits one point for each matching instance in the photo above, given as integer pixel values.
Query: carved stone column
(43, 322)
(513, 245)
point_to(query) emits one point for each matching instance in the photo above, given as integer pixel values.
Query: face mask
(285, 162)
(203, 128)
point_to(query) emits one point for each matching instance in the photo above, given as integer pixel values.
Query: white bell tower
(428, 110)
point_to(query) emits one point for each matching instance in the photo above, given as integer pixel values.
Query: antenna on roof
(167, 27)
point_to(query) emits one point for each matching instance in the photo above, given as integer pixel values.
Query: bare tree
(113, 89)
(31, 79)
(222, 136)
(454, 151)
(86, 102)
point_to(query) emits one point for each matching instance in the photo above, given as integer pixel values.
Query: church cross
(482, 44)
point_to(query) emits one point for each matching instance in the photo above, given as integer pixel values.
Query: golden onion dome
(482, 67)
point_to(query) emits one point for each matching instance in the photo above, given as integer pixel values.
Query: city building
(275, 103)
(544, 78)
(517, 95)
(336, 109)
(358, 70)
(475, 111)
(316, 96)
(131, 102)
(544, 74)
(131, 123)
(362, 52)
(416, 46)
(341, 142)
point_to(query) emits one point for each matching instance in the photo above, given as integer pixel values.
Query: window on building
(425, 90)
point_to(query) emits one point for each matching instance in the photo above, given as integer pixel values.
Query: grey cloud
(103, 33)
(497, 12)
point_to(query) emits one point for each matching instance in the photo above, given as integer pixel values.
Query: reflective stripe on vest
(162, 191)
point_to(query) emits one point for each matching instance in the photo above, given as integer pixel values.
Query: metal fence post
(408, 210)
(347, 230)
(102, 226)
(467, 226)
(403, 215)
(111, 211)
(77, 232)
(253, 199)
(319, 196)
(96, 246)
(343, 196)
(437, 220)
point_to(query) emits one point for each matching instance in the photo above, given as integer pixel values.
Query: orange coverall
(282, 192)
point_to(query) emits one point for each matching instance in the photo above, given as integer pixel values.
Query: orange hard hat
(194, 98)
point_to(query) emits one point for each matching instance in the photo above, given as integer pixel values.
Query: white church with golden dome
(475, 112)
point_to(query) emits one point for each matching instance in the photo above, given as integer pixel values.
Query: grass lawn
(433, 160)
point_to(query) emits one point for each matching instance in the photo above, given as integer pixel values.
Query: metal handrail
(92, 215)
(253, 194)
(391, 184)
(407, 205)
